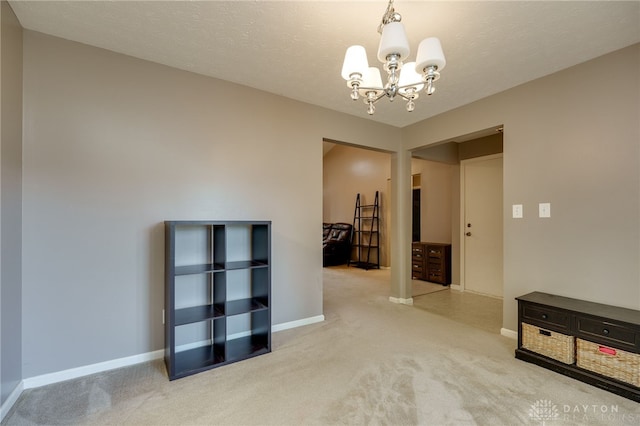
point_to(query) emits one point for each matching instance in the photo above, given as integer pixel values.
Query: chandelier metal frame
(403, 79)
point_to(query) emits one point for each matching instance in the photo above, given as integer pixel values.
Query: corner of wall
(8, 404)
(10, 208)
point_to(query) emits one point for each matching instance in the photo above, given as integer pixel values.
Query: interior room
(118, 117)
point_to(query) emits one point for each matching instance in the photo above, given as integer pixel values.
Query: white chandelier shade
(393, 42)
(410, 78)
(404, 79)
(430, 54)
(355, 62)
(372, 79)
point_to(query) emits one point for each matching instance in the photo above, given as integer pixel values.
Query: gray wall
(10, 202)
(480, 147)
(436, 194)
(571, 139)
(454, 152)
(113, 146)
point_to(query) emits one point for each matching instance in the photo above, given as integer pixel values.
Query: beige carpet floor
(371, 362)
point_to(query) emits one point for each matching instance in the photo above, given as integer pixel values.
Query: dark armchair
(336, 243)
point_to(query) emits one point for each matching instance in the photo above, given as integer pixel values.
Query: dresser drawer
(546, 317)
(416, 267)
(435, 266)
(417, 250)
(435, 277)
(436, 252)
(607, 332)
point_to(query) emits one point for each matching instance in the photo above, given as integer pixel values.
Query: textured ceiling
(295, 48)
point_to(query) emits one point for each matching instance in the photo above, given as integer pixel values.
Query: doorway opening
(415, 210)
(350, 170)
(455, 153)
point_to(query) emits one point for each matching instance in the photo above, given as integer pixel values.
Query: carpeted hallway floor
(370, 362)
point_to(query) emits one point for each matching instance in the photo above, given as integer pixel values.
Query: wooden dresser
(431, 262)
(594, 343)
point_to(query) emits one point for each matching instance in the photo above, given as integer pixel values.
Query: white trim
(461, 269)
(509, 333)
(456, 287)
(73, 373)
(238, 335)
(401, 301)
(297, 323)
(11, 400)
(193, 345)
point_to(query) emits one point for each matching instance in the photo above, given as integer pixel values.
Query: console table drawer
(548, 343)
(604, 331)
(541, 315)
(610, 362)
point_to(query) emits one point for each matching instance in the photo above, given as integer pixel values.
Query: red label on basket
(607, 350)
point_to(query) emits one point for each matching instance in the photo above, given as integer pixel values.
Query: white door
(482, 225)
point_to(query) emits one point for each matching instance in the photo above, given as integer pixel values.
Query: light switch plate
(544, 210)
(517, 211)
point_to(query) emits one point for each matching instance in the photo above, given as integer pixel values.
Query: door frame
(462, 224)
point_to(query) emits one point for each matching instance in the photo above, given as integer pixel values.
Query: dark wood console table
(605, 341)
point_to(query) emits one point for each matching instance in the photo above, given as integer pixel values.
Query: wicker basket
(549, 343)
(610, 362)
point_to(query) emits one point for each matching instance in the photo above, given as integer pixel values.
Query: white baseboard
(73, 373)
(401, 301)
(456, 287)
(11, 400)
(297, 323)
(509, 333)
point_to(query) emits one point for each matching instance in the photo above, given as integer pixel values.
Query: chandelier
(404, 79)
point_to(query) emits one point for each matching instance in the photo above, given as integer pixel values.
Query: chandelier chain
(390, 15)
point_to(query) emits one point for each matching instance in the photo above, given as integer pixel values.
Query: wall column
(401, 228)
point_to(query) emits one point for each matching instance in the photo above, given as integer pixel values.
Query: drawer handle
(605, 331)
(606, 350)
(545, 316)
(545, 332)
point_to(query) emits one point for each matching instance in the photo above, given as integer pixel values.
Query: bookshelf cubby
(217, 293)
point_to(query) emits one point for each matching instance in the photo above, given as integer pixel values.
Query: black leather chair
(336, 243)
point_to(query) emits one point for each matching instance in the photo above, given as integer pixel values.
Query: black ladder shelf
(366, 234)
